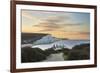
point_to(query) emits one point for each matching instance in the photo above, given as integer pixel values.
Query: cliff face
(31, 37)
(46, 40)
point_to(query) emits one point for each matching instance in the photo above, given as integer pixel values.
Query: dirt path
(55, 57)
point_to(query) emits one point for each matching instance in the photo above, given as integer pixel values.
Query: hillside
(78, 52)
(46, 40)
(31, 37)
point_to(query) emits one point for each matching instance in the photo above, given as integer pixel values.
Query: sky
(70, 25)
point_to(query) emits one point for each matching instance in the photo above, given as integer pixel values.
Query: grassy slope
(78, 52)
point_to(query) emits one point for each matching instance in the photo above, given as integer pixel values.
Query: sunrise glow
(71, 25)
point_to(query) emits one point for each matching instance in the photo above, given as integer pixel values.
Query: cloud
(53, 23)
(57, 19)
(84, 33)
(78, 33)
(47, 29)
(26, 15)
(72, 24)
(49, 24)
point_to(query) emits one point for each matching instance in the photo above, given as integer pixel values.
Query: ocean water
(66, 43)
